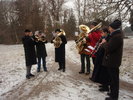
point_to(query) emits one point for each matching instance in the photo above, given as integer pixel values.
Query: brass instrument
(80, 42)
(40, 37)
(57, 40)
(96, 27)
(85, 30)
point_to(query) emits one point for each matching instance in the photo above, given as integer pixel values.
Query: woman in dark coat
(113, 57)
(29, 49)
(60, 51)
(41, 51)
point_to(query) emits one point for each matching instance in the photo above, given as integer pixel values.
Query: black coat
(29, 48)
(60, 52)
(41, 49)
(113, 50)
(100, 73)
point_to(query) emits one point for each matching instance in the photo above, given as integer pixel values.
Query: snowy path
(53, 85)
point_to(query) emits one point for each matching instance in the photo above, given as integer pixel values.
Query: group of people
(105, 49)
(103, 46)
(35, 50)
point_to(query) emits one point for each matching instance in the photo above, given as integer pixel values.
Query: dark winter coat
(60, 52)
(100, 73)
(113, 50)
(41, 49)
(29, 49)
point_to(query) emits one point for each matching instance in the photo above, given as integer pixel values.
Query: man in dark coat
(41, 50)
(60, 51)
(83, 44)
(100, 73)
(113, 57)
(29, 49)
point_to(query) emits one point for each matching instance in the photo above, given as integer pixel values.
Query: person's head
(114, 25)
(93, 24)
(28, 32)
(36, 33)
(105, 32)
(57, 31)
(40, 33)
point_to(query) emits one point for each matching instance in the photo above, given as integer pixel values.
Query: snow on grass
(127, 61)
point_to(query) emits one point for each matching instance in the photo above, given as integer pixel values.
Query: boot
(104, 88)
(31, 75)
(81, 72)
(59, 68)
(63, 70)
(28, 76)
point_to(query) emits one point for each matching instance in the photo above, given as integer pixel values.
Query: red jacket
(93, 38)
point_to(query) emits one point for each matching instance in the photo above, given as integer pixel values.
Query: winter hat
(94, 23)
(40, 32)
(27, 30)
(105, 29)
(116, 24)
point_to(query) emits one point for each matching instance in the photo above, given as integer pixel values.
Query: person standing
(84, 56)
(40, 40)
(94, 37)
(113, 57)
(59, 42)
(29, 49)
(100, 74)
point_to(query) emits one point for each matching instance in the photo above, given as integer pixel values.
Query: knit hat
(116, 24)
(27, 30)
(94, 23)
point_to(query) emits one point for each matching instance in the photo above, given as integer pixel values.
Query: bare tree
(55, 8)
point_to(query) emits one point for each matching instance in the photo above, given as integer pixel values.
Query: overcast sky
(70, 3)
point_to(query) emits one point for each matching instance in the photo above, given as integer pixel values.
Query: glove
(84, 40)
(85, 45)
(54, 41)
(60, 42)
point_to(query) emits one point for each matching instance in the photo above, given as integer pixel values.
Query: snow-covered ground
(127, 63)
(56, 85)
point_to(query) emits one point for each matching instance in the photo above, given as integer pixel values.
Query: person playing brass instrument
(81, 45)
(39, 36)
(60, 41)
(94, 37)
(40, 40)
(29, 50)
